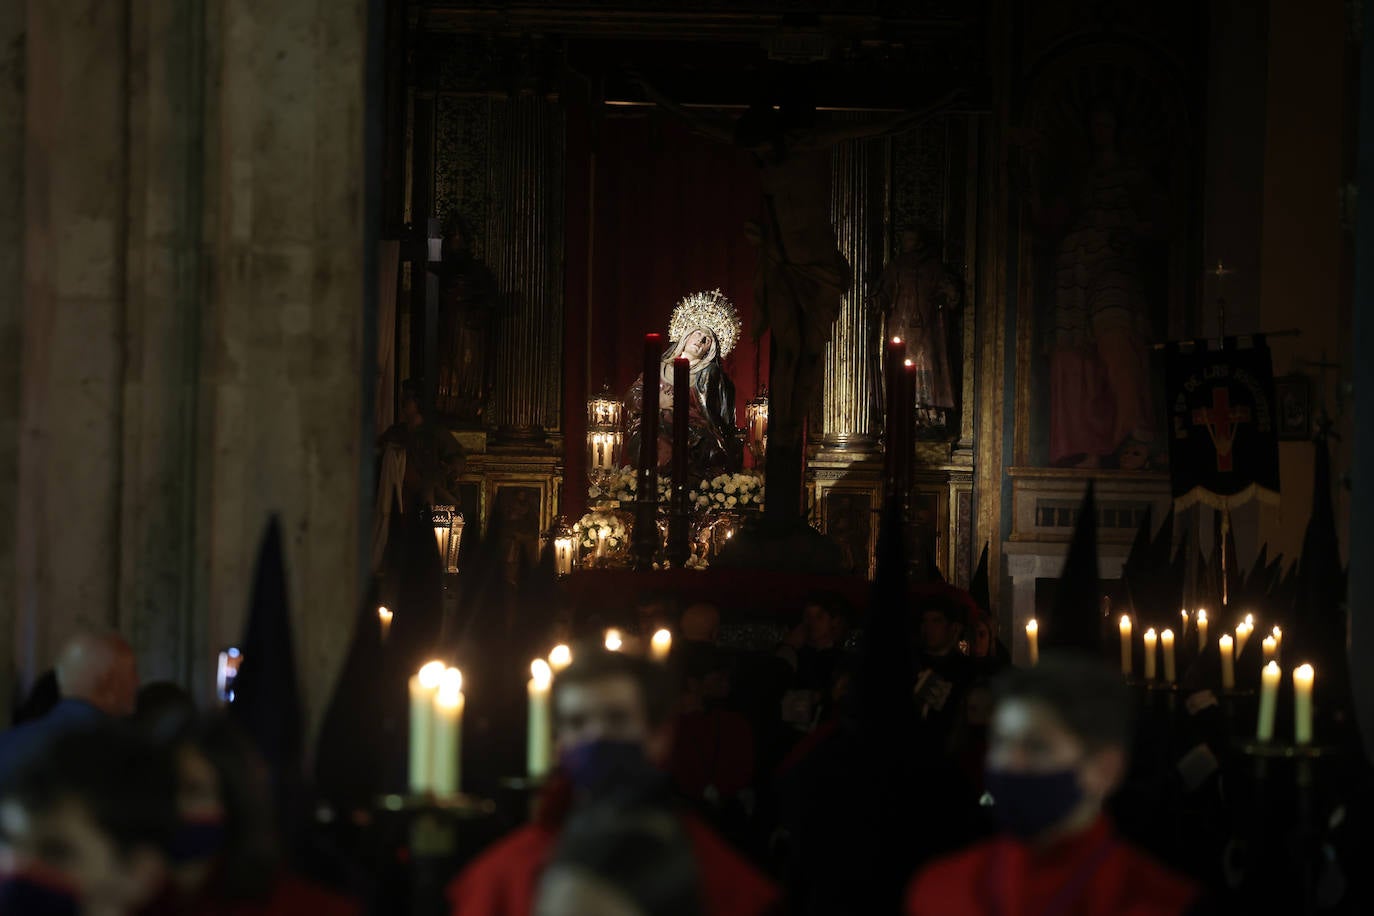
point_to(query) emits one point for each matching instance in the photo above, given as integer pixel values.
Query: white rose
(731, 502)
(703, 501)
(720, 497)
(744, 500)
(731, 488)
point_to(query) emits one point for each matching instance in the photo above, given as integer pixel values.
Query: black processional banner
(1223, 445)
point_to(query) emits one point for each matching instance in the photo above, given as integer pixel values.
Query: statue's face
(697, 344)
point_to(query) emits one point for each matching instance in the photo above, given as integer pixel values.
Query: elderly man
(97, 677)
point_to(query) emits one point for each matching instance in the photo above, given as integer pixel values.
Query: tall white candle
(448, 733)
(1228, 662)
(422, 688)
(1303, 675)
(1166, 643)
(384, 619)
(1033, 641)
(660, 645)
(1201, 629)
(1125, 644)
(559, 658)
(1151, 650)
(1269, 701)
(540, 733)
(1183, 629)
(1278, 639)
(1243, 631)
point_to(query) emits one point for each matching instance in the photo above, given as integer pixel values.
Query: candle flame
(1303, 672)
(908, 363)
(560, 657)
(449, 698)
(1201, 616)
(1032, 626)
(1249, 620)
(385, 614)
(452, 679)
(1278, 633)
(1167, 636)
(542, 673)
(1150, 633)
(896, 340)
(1225, 641)
(431, 674)
(662, 640)
(1125, 621)
(613, 640)
(1272, 669)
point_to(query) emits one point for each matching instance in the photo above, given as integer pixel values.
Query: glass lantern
(756, 426)
(448, 533)
(564, 552)
(604, 436)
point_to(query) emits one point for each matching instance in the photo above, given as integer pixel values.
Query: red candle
(648, 421)
(681, 392)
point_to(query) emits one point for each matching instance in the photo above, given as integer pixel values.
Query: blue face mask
(32, 896)
(600, 765)
(196, 839)
(1028, 804)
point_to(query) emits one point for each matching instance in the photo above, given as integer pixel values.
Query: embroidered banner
(1223, 444)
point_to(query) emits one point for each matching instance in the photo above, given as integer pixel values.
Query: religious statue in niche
(802, 276)
(704, 328)
(1102, 226)
(917, 297)
(467, 310)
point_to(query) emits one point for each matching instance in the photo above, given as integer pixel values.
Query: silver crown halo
(711, 310)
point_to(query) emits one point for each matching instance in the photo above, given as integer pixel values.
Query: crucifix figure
(802, 276)
(1221, 421)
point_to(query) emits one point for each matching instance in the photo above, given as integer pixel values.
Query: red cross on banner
(1221, 420)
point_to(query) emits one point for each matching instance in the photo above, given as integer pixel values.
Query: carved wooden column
(524, 249)
(849, 414)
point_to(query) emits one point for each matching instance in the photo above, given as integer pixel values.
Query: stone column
(12, 16)
(849, 418)
(282, 329)
(70, 450)
(525, 251)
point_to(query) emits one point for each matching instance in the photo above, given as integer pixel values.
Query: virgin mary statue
(704, 328)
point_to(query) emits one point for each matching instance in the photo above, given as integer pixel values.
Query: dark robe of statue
(467, 313)
(713, 444)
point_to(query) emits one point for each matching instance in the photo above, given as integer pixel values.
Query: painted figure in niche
(1101, 402)
(704, 328)
(917, 296)
(467, 311)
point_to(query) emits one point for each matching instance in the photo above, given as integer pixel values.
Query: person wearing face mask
(85, 825)
(612, 714)
(1057, 750)
(224, 854)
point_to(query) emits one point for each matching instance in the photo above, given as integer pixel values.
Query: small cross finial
(1220, 270)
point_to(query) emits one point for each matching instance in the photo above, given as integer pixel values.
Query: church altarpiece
(495, 160)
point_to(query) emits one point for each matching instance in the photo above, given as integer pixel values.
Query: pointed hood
(267, 702)
(887, 673)
(978, 586)
(1319, 613)
(1075, 621)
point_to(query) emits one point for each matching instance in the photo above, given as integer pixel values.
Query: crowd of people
(722, 782)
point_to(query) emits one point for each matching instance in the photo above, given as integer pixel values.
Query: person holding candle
(704, 329)
(613, 716)
(1057, 750)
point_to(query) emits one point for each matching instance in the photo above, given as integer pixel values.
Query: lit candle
(1166, 643)
(1243, 630)
(1278, 638)
(1269, 701)
(601, 535)
(613, 640)
(1228, 662)
(1201, 629)
(422, 689)
(539, 740)
(559, 658)
(1151, 650)
(448, 733)
(1303, 676)
(1125, 644)
(1271, 649)
(562, 555)
(1033, 640)
(384, 616)
(660, 645)
(1183, 630)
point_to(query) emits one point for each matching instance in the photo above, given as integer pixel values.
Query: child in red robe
(1057, 749)
(612, 714)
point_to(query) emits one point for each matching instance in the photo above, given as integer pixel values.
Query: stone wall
(192, 322)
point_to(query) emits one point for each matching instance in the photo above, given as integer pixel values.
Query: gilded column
(849, 419)
(524, 247)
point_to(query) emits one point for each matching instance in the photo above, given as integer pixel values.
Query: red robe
(1093, 874)
(503, 880)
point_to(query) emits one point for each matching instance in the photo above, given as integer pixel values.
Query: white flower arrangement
(596, 525)
(728, 491)
(623, 487)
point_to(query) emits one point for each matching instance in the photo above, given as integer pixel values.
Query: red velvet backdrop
(669, 209)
